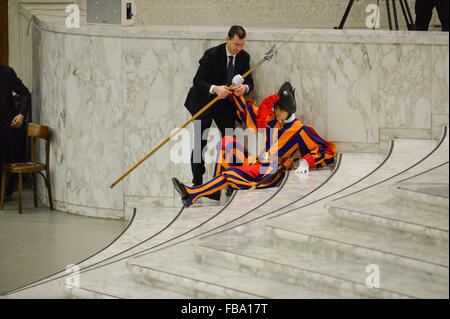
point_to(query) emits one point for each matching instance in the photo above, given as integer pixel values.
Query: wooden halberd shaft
(266, 58)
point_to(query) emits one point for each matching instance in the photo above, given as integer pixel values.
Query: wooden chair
(34, 131)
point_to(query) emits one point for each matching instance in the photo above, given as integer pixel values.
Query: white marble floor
(41, 242)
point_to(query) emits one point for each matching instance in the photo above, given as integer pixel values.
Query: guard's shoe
(181, 189)
(229, 192)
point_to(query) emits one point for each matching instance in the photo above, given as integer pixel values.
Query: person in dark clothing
(10, 118)
(424, 12)
(217, 68)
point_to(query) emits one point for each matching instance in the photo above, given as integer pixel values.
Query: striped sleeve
(246, 111)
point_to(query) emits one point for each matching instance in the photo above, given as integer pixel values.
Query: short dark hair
(237, 30)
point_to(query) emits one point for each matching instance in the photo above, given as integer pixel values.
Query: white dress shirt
(228, 59)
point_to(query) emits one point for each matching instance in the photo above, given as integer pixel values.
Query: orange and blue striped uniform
(237, 169)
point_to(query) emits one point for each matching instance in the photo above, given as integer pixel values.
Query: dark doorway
(4, 32)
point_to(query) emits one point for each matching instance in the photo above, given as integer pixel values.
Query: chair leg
(35, 190)
(49, 188)
(20, 193)
(3, 188)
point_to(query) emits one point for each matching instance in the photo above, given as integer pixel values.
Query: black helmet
(287, 98)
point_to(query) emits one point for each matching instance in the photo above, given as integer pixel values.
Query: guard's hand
(17, 121)
(303, 167)
(221, 90)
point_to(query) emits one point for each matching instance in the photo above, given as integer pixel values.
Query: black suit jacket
(9, 83)
(213, 71)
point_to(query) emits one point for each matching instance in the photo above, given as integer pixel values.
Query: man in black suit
(424, 12)
(10, 119)
(217, 68)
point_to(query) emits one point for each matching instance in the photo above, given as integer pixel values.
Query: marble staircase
(326, 249)
(199, 279)
(374, 227)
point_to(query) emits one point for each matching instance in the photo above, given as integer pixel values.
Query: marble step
(421, 200)
(343, 278)
(345, 243)
(177, 269)
(115, 282)
(83, 293)
(54, 289)
(384, 211)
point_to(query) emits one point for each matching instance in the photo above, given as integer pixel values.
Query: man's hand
(240, 90)
(221, 91)
(17, 121)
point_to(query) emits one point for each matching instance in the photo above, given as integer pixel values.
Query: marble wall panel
(51, 111)
(25, 51)
(352, 110)
(264, 77)
(405, 86)
(304, 65)
(439, 79)
(407, 133)
(13, 34)
(36, 89)
(84, 110)
(97, 130)
(369, 80)
(159, 74)
(19, 42)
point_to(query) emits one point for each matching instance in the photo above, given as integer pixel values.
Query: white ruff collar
(290, 119)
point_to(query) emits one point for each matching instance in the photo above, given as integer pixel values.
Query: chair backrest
(36, 130)
(39, 131)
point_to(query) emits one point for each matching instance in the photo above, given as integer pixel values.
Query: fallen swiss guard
(284, 135)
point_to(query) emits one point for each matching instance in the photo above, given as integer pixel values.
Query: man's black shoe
(181, 189)
(215, 196)
(229, 192)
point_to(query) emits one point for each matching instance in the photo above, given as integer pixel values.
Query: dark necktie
(230, 71)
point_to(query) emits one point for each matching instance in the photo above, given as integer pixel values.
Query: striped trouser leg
(232, 177)
(216, 184)
(269, 170)
(238, 179)
(230, 154)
